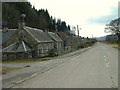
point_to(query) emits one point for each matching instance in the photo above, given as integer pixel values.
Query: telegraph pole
(92, 35)
(78, 30)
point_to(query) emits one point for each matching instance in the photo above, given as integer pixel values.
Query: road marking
(109, 70)
(107, 64)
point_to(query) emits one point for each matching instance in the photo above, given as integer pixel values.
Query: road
(12, 78)
(96, 68)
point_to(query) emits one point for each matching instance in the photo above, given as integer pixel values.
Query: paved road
(96, 68)
(13, 77)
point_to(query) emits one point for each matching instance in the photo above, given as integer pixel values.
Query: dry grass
(6, 69)
(108, 43)
(28, 60)
(118, 47)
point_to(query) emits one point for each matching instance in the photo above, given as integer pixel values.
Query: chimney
(5, 29)
(21, 24)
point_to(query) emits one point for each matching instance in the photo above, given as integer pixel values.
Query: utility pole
(73, 30)
(78, 30)
(78, 37)
(92, 35)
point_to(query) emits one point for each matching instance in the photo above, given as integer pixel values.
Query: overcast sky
(90, 15)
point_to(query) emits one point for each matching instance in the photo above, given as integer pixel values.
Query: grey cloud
(105, 19)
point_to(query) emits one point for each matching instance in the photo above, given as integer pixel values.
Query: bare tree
(113, 27)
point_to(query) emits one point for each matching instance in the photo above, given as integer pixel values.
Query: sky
(90, 15)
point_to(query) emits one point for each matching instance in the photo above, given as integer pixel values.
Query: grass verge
(118, 47)
(6, 69)
(28, 60)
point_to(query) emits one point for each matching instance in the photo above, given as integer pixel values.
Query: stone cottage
(27, 42)
(58, 42)
(17, 50)
(37, 39)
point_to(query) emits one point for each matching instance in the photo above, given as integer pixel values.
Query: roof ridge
(34, 28)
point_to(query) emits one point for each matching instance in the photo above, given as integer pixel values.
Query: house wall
(13, 56)
(8, 56)
(58, 47)
(43, 49)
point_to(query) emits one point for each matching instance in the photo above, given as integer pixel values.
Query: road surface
(95, 68)
(12, 78)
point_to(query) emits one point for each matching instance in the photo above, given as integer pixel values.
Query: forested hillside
(11, 16)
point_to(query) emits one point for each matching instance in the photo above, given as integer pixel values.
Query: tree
(10, 15)
(58, 24)
(41, 19)
(63, 26)
(113, 27)
(48, 20)
(68, 27)
(111, 38)
(53, 26)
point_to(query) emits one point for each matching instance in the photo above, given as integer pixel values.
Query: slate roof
(18, 46)
(55, 37)
(38, 35)
(6, 34)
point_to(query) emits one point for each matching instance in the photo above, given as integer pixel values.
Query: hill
(101, 38)
(41, 19)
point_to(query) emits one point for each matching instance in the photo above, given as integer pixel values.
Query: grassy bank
(6, 69)
(28, 60)
(117, 47)
(109, 43)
